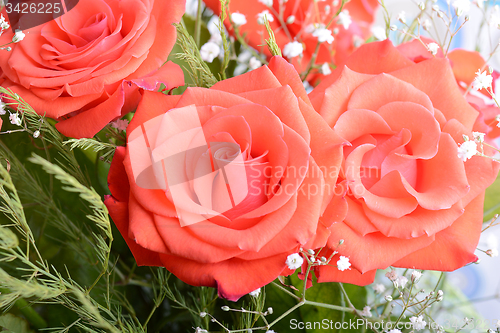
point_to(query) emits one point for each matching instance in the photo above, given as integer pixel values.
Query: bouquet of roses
(159, 166)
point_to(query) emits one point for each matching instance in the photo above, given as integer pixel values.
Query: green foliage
(108, 149)
(491, 202)
(198, 70)
(271, 41)
(13, 324)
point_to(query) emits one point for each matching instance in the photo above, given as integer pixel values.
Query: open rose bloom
(301, 21)
(88, 67)
(465, 65)
(220, 185)
(409, 200)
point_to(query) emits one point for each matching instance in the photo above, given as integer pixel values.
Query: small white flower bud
(203, 314)
(310, 251)
(36, 134)
(388, 298)
(290, 19)
(341, 242)
(225, 308)
(18, 36)
(492, 253)
(270, 310)
(394, 28)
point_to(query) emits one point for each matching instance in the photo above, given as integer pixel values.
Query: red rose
(304, 16)
(244, 164)
(411, 202)
(91, 62)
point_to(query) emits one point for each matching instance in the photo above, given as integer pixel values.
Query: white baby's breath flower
(461, 6)
(379, 288)
(433, 48)
(18, 36)
(325, 69)
(427, 25)
(254, 63)
(3, 23)
(294, 261)
(255, 293)
(2, 108)
(366, 312)
(309, 29)
(293, 49)
(268, 3)
(466, 150)
(482, 80)
(14, 119)
(494, 17)
(418, 323)
(478, 137)
(238, 19)
(36, 134)
(200, 330)
(323, 35)
(209, 51)
(400, 281)
(402, 17)
(264, 14)
(343, 263)
(379, 33)
(290, 19)
(213, 27)
(344, 19)
(415, 276)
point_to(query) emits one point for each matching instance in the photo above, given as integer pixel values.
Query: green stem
(296, 306)
(30, 314)
(197, 27)
(331, 306)
(286, 290)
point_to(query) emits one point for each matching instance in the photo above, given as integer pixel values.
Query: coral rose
(465, 65)
(297, 20)
(410, 201)
(244, 165)
(87, 66)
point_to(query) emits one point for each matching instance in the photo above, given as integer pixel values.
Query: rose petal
(454, 246)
